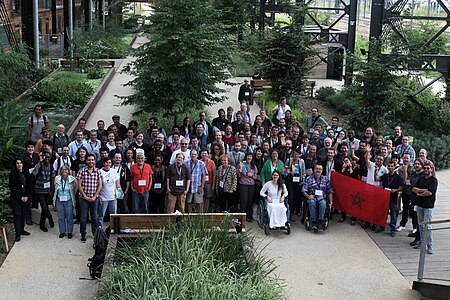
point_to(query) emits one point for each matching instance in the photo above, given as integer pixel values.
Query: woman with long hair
(217, 152)
(186, 128)
(247, 178)
(21, 189)
(276, 192)
(272, 164)
(66, 187)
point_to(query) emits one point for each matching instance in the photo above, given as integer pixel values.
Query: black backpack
(95, 263)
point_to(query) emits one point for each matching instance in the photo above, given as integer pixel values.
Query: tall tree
(285, 61)
(187, 55)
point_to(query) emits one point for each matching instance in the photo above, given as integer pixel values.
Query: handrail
(435, 222)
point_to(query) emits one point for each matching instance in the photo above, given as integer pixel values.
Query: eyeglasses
(427, 168)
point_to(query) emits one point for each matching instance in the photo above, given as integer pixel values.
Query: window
(15, 6)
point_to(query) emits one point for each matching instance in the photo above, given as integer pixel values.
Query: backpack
(95, 263)
(58, 166)
(43, 116)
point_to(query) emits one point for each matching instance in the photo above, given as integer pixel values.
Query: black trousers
(295, 197)
(157, 203)
(44, 200)
(408, 208)
(226, 201)
(19, 212)
(246, 198)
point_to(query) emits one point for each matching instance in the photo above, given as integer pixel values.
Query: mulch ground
(11, 240)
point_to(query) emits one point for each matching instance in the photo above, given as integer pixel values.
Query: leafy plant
(324, 92)
(5, 209)
(179, 68)
(190, 261)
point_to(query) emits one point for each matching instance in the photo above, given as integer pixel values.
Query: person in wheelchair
(316, 189)
(276, 192)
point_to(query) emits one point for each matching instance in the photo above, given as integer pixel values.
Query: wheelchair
(263, 216)
(306, 220)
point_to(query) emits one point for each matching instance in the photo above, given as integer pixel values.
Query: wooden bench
(147, 223)
(74, 63)
(260, 84)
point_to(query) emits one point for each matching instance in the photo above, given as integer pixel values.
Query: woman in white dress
(276, 192)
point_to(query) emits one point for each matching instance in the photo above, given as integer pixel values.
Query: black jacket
(18, 188)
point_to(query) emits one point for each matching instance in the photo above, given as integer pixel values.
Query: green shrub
(190, 261)
(5, 209)
(66, 89)
(94, 73)
(324, 92)
(266, 102)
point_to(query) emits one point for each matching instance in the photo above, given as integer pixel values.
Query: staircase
(5, 24)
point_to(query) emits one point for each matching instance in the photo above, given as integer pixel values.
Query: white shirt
(107, 193)
(187, 156)
(371, 174)
(282, 111)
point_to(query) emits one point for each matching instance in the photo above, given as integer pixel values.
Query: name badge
(319, 193)
(311, 130)
(221, 184)
(296, 179)
(59, 150)
(63, 198)
(408, 182)
(158, 185)
(46, 185)
(179, 183)
(247, 94)
(142, 182)
(30, 170)
(206, 178)
(387, 189)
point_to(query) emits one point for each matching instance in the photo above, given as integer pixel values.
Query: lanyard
(179, 169)
(63, 184)
(118, 169)
(65, 162)
(193, 168)
(95, 144)
(141, 170)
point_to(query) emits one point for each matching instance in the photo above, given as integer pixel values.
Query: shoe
(414, 230)
(44, 229)
(25, 233)
(51, 223)
(249, 220)
(320, 227)
(29, 222)
(341, 220)
(365, 226)
(418, 245)
(61, 235)
(375, 228)
(400, 228)
(314, 226)
(378, 230)
(393, 233)
(413, 234)
(76, 222)
(83, 239)
(352, 223)
(415, 242)
(69, 236)
(430, 250)
(17, 238)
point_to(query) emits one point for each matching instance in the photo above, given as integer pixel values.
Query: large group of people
(225, 165)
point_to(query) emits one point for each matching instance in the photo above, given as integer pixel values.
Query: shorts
(209, 190)
(195, 197)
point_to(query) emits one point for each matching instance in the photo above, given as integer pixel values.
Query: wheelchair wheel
(266, 229)
(260, 215)
(288, 229)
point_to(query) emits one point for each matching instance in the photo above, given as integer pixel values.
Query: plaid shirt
(197, 170)
(89, 181)
(323, 184)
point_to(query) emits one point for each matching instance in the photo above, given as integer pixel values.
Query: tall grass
(190, 262)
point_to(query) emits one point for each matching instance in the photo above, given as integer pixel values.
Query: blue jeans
(393, 214)
(140, 203)
(92, 208)
(112, 204)
(65, 216)
(312, 204)
(425, 214)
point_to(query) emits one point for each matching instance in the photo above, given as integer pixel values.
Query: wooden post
(5, 240)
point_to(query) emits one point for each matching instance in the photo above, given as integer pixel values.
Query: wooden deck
(405, 258)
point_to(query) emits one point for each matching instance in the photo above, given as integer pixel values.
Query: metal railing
(423, 248)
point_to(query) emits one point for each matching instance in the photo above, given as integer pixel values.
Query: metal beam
(351, 41)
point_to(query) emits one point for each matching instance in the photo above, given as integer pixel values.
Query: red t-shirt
(141, 178)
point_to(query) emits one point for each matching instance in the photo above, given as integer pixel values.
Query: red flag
(359, 199)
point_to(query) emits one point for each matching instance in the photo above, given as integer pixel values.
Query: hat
(116, 117)
(140, 152)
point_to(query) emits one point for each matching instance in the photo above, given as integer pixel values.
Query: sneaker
(379, 229)
(25, 233)
(366, 225)
(314, 226)
(400, 228)
(412, 234)
(415, 242)
(61, 235)
(69, 236)
(83, 239)
(430, 250)
(352, 223)
(51, 223)
(320, 226)
(418, 245)
(414, 231)
(393, 233)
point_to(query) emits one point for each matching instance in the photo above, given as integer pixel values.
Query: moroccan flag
(359, 199)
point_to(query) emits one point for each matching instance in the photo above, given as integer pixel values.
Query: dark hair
(105, 159)
(133, 122)
(154, 119)
(48, 143)
(81, 148)
(81, 119)
(104, 148)
(204, 149)
(252, 165)
(279, 181)
(90, 154)
(30, 142)
(221, 109)
(118, 139)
